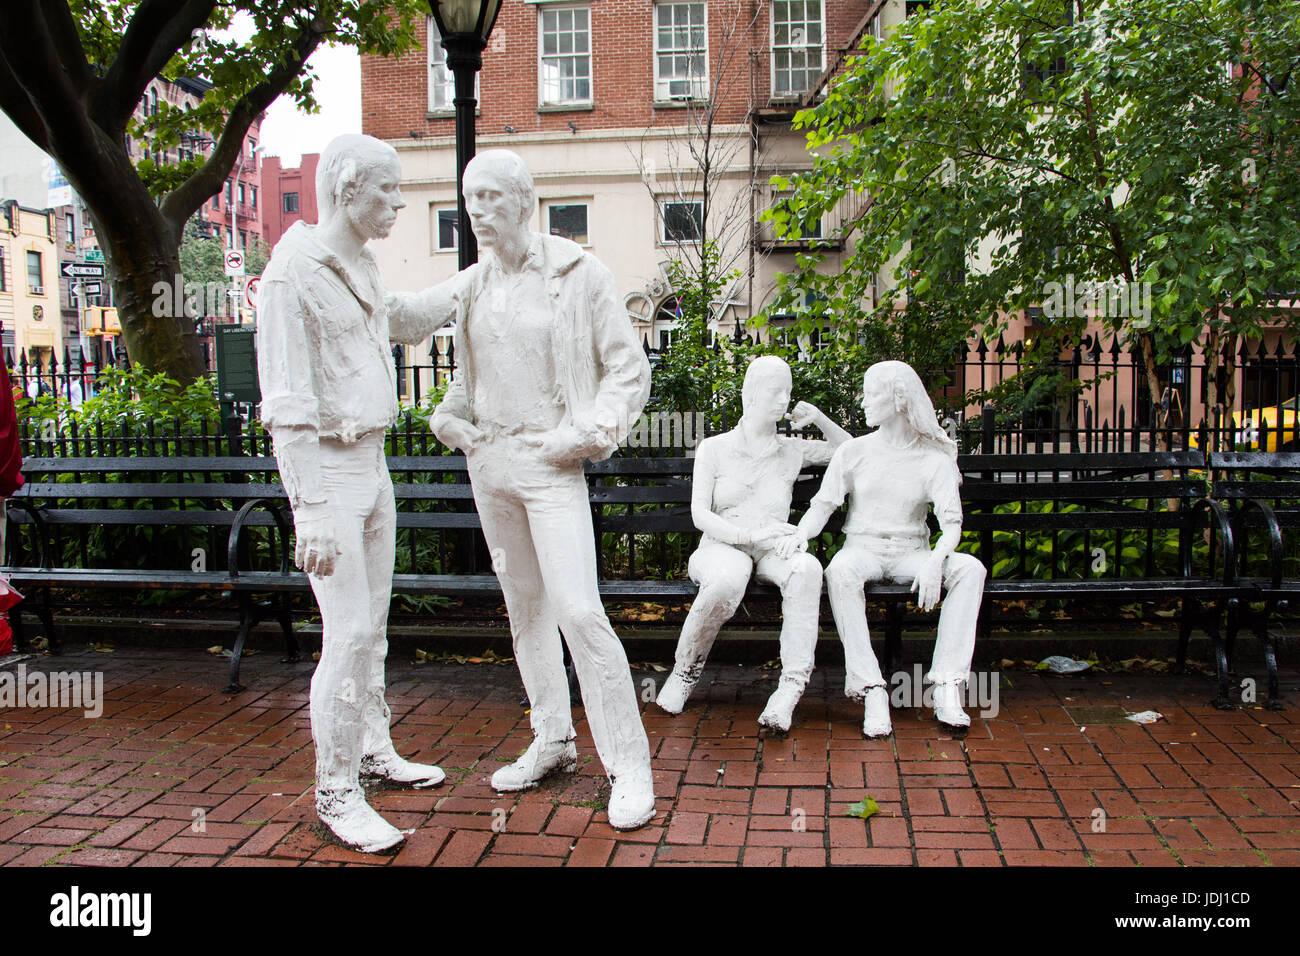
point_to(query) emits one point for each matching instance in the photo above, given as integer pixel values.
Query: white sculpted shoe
(677, 688)
(947, 705)
(396, 770)
(779, 711)
(632, 802)
(538, 760)
(877, 722)
(355, 822)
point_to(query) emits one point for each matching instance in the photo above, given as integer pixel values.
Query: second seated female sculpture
(891, 478)
(740, 500)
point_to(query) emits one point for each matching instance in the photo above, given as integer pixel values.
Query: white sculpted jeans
(537, 522)
(349, 716)
(866, 558)
(722, 572)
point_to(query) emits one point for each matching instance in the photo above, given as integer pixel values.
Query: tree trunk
(142, 250)
(1147, 345)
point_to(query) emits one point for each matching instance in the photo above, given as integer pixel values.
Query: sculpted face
(372, 207)
(495, 212)
(766, 395)
(877, 401)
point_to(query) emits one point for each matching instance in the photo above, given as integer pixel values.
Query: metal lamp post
(464, 26)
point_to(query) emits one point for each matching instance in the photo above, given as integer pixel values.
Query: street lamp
(464, 26)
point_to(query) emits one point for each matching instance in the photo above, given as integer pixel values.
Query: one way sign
(82, 270)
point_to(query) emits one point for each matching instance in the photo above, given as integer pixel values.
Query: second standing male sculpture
(549, 374)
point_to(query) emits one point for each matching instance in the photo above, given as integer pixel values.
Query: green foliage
(126, 398)
(982, 150)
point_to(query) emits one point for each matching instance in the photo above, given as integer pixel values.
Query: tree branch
(67, 42)
(181, 202)
(15, 102)
(156, 32)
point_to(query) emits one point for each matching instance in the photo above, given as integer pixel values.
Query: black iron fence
(1098, 400)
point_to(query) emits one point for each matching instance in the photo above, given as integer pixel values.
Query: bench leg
(285, 617)
(45, 612)
(1274, 701)
(245, 625)
(1184, 636)
(893, 638)
(16, 627)
(1223, 701)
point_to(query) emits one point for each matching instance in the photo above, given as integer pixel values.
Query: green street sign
(237, 364)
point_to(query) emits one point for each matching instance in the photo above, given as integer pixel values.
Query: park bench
(1261, 492)
(1017, 506)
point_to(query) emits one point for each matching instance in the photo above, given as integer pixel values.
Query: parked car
(1248, 426)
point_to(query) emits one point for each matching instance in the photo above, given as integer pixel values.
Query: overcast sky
(288, 133)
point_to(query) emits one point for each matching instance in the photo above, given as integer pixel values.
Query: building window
(445, 226)
(442, 85)
(290, 202)
(229, 193)
(252, 153)
(681, 51)
(3, 283)
(216, 200)
(568, 220)
(34, 284)
(243, 239)
(254, 197)
(565, 58)
(242, 198)
(798, 46)
(682, 221)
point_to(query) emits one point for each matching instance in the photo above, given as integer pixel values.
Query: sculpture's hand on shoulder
(928, 583)
(316, 546)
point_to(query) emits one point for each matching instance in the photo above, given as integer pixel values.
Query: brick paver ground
(175, 773)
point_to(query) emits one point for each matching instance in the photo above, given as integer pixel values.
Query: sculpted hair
(911, 398)
(346, 161)
(507, 166)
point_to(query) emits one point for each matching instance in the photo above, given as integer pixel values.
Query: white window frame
(561, 203)
(542, 81)
(820, 46)
(439, 74)
(697, 84)
(436, 213)
(664, 203)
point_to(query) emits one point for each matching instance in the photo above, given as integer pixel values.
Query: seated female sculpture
(891, 478)
(740, 500)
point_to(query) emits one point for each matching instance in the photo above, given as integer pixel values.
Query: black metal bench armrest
(237, 527)
(1274, 536)
(42, 528)
(1212, 507)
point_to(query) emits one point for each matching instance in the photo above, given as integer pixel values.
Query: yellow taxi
(1248, 426)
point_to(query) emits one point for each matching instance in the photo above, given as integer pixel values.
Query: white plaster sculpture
(740, 500)
(549, 374)
(892, 477)
(328, 395)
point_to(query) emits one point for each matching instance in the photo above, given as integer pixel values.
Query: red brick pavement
(175, 773)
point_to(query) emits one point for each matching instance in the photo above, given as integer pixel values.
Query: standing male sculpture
(740, 500)
(328, 395)
(891, 478)
(549, 373)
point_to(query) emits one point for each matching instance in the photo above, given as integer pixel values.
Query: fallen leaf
(215, 649)
(866, 808)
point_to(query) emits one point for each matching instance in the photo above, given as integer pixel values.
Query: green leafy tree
(984, 150)
(72, 73)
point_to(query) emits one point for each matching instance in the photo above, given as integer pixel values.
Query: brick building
(289, 194)
(607, 101)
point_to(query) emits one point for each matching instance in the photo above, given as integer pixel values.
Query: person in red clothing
(11, 479)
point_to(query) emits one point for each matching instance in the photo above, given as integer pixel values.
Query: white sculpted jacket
(604, 376)
(341, 382)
